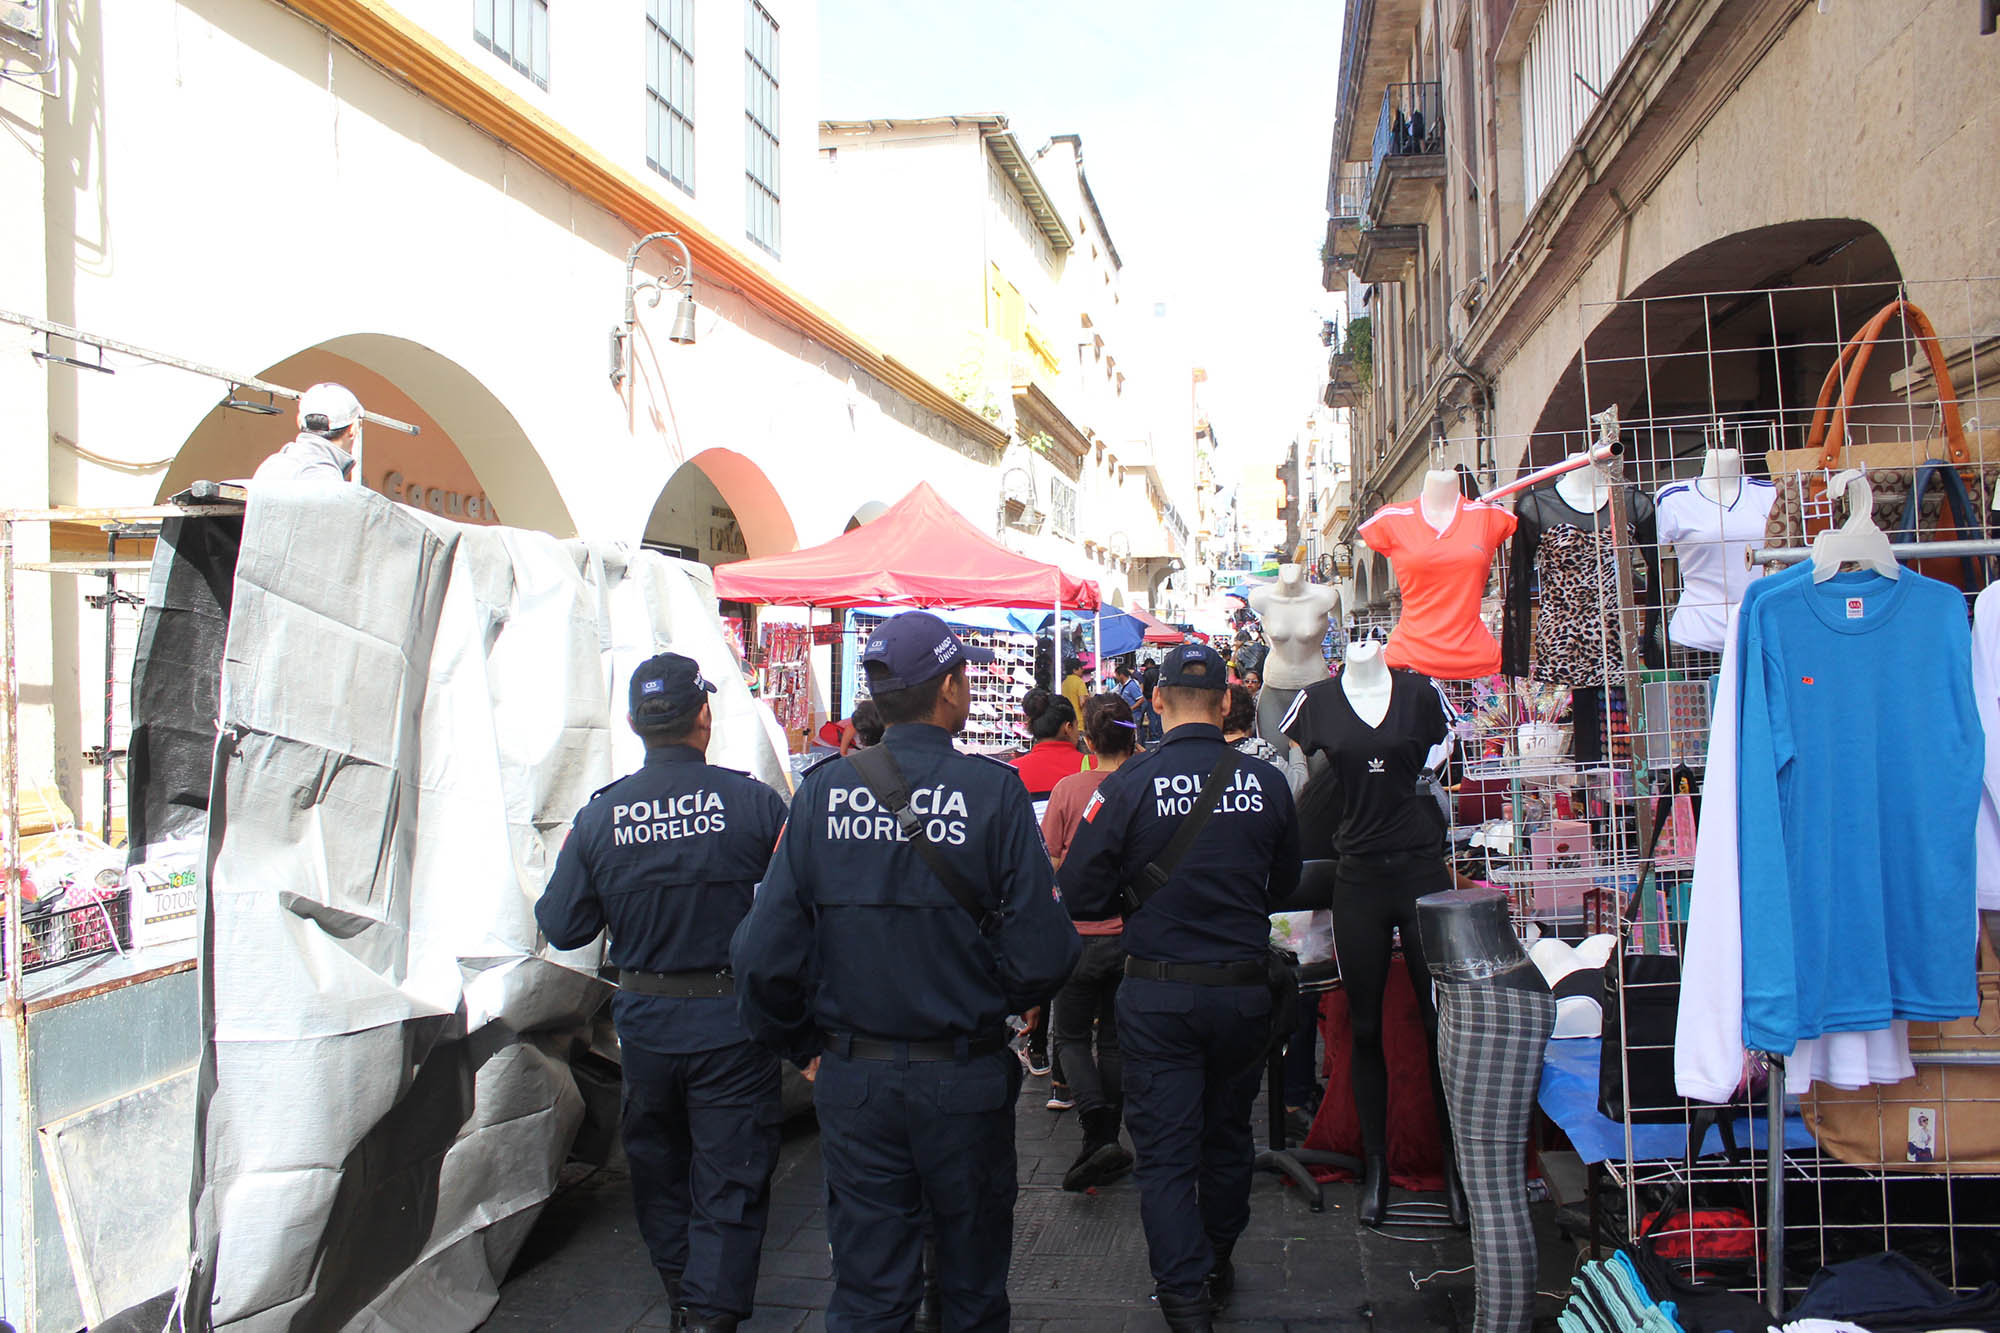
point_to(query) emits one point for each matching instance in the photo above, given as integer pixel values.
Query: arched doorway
(1740, 329)
(717, 507)
(470, 462)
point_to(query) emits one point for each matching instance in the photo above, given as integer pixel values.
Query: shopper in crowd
(1053, 757)
(901, 955)
(1074, 687)
(668, 858)
(1239, 728)
(1194, 1010)
(1091, 1080)
(329, 438)
(1127, 685)
(1149, 716)
(867, 720)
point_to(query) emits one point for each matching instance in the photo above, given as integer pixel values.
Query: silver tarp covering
(411, 711)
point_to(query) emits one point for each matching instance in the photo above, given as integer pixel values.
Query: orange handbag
(1802, 510)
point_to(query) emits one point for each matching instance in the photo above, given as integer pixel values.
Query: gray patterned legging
(1490, 1045)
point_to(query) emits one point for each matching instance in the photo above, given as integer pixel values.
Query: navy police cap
(912, 648)
(666, 688)
(1194, 666)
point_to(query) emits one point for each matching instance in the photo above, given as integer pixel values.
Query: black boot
(1188, 1314)
(1221, 1279)
(672, 1282)
(1102, 1160)
(930, 1311)
(707, 1323)
(1374, 1189)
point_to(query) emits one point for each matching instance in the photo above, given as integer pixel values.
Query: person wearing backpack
(1192, 843)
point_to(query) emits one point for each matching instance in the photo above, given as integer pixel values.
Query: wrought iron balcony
(1406, 163)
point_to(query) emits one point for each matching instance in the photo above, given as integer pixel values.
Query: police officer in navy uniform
(1194, 1009)
(669, 859)
(857, 948)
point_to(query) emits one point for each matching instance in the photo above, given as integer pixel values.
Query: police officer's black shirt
(1216, 907)
(669, 858)
(852, 934)
(1369, 789)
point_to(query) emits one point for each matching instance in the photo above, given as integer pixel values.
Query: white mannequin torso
(1586, 489)
(1366, 683)
(1721, 478)
(1294, 614)
(1439, 499)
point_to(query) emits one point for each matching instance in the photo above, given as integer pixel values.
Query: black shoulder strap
(884, 776)
(1156, 873)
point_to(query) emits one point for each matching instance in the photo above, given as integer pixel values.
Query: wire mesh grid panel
(1738, 410)
(997, 687)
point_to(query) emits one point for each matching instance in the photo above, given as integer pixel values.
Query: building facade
(1004, 284)
(1528, 199)
(434, 203)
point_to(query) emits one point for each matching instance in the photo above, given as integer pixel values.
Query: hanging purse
(1803, 508)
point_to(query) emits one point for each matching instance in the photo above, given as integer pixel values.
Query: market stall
(920, 553)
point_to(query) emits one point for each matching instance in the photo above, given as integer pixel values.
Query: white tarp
(411, 711)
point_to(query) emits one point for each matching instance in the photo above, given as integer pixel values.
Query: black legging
(1375, 899)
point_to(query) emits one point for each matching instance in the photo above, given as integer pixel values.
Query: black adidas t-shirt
(1369, 794)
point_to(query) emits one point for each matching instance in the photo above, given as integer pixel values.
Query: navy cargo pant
(907, 1140)
(701, 1134)
(1193, 1055)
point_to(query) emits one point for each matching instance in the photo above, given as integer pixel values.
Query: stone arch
(1695, 339)
(720, 506)
(470, 460)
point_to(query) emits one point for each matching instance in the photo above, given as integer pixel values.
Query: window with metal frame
(1062, 507)
(517, 31)
(760, 126)
(670, 90)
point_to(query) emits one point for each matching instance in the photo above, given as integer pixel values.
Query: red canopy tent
(1157, 630)
(920, 553)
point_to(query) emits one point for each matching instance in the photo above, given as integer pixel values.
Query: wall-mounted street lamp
(680, 275)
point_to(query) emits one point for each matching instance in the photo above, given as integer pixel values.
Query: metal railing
(1411, 124)
(1349, 196)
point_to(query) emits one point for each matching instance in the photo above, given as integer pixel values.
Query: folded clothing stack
(1608, 1297)
(1890, 1293)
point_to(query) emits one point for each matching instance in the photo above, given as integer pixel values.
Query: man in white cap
(328, 440)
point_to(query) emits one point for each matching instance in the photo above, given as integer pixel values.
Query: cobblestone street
(1079, 1261)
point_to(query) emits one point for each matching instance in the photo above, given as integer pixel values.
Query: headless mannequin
(1366, 683)
(1373, 897)
(1721, 478)
(1495, 1015)
(1439, 499)
(1294, 615)
(1586, 489)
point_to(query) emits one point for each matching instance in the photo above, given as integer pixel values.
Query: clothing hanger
(1857, 540)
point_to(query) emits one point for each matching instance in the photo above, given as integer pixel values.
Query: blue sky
(1205, 131)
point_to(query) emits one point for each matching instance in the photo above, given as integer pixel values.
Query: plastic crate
(50, 939)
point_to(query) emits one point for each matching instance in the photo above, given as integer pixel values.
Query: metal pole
(1792, 555)
(110, 658)
(1600, 453)
(10, 782)
(68, 334)
(1774, 1188)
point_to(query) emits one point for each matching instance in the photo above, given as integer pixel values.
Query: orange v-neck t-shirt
(1442, 576)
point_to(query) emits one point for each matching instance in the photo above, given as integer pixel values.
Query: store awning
(922, 552)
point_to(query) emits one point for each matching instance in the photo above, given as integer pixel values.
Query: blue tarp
(1569, 1097)
(1118, 633)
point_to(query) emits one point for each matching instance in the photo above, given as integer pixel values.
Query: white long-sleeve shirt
(1986, 695)
(1708, 1038)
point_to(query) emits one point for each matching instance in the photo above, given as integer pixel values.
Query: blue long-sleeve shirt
(851, 932)
(1861, 758)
